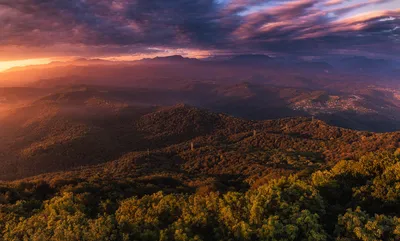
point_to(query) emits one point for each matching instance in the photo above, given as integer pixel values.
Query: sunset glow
(6, 65)
(131, 30)
(199, 120)
(188, 53)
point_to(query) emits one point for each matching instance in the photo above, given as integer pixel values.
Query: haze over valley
(254, 87)
(199, 120)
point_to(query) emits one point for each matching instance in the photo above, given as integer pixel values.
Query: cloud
(46, 28)
(303, 27)
(355, 6)
(334, 2)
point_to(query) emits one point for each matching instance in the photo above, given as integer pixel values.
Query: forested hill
(182, 173)
(66, 135)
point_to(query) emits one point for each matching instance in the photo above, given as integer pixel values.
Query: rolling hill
(83, 125)
(108, 163)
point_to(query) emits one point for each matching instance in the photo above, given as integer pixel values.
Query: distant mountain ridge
(346, 63)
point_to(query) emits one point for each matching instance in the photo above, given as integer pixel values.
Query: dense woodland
(352, 200)
(53, 137)
(189, 174)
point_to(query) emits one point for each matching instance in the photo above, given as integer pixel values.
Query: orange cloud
(334, 2)
(368, 16)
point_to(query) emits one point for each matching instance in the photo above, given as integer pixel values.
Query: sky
(40, 31)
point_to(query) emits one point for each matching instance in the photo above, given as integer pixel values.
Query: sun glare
(5, 65)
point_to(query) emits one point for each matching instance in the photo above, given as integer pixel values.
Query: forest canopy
(352, 200)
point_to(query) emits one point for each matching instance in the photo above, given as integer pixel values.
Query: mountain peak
(172, 58)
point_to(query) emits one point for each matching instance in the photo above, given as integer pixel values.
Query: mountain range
(88, 125)
(59, 116)
(243, 148)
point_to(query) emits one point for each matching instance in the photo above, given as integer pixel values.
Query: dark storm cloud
(181, 22)
(35, 22)
(131, 26)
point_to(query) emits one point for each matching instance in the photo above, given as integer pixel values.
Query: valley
(199, 120)
(106, 159)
